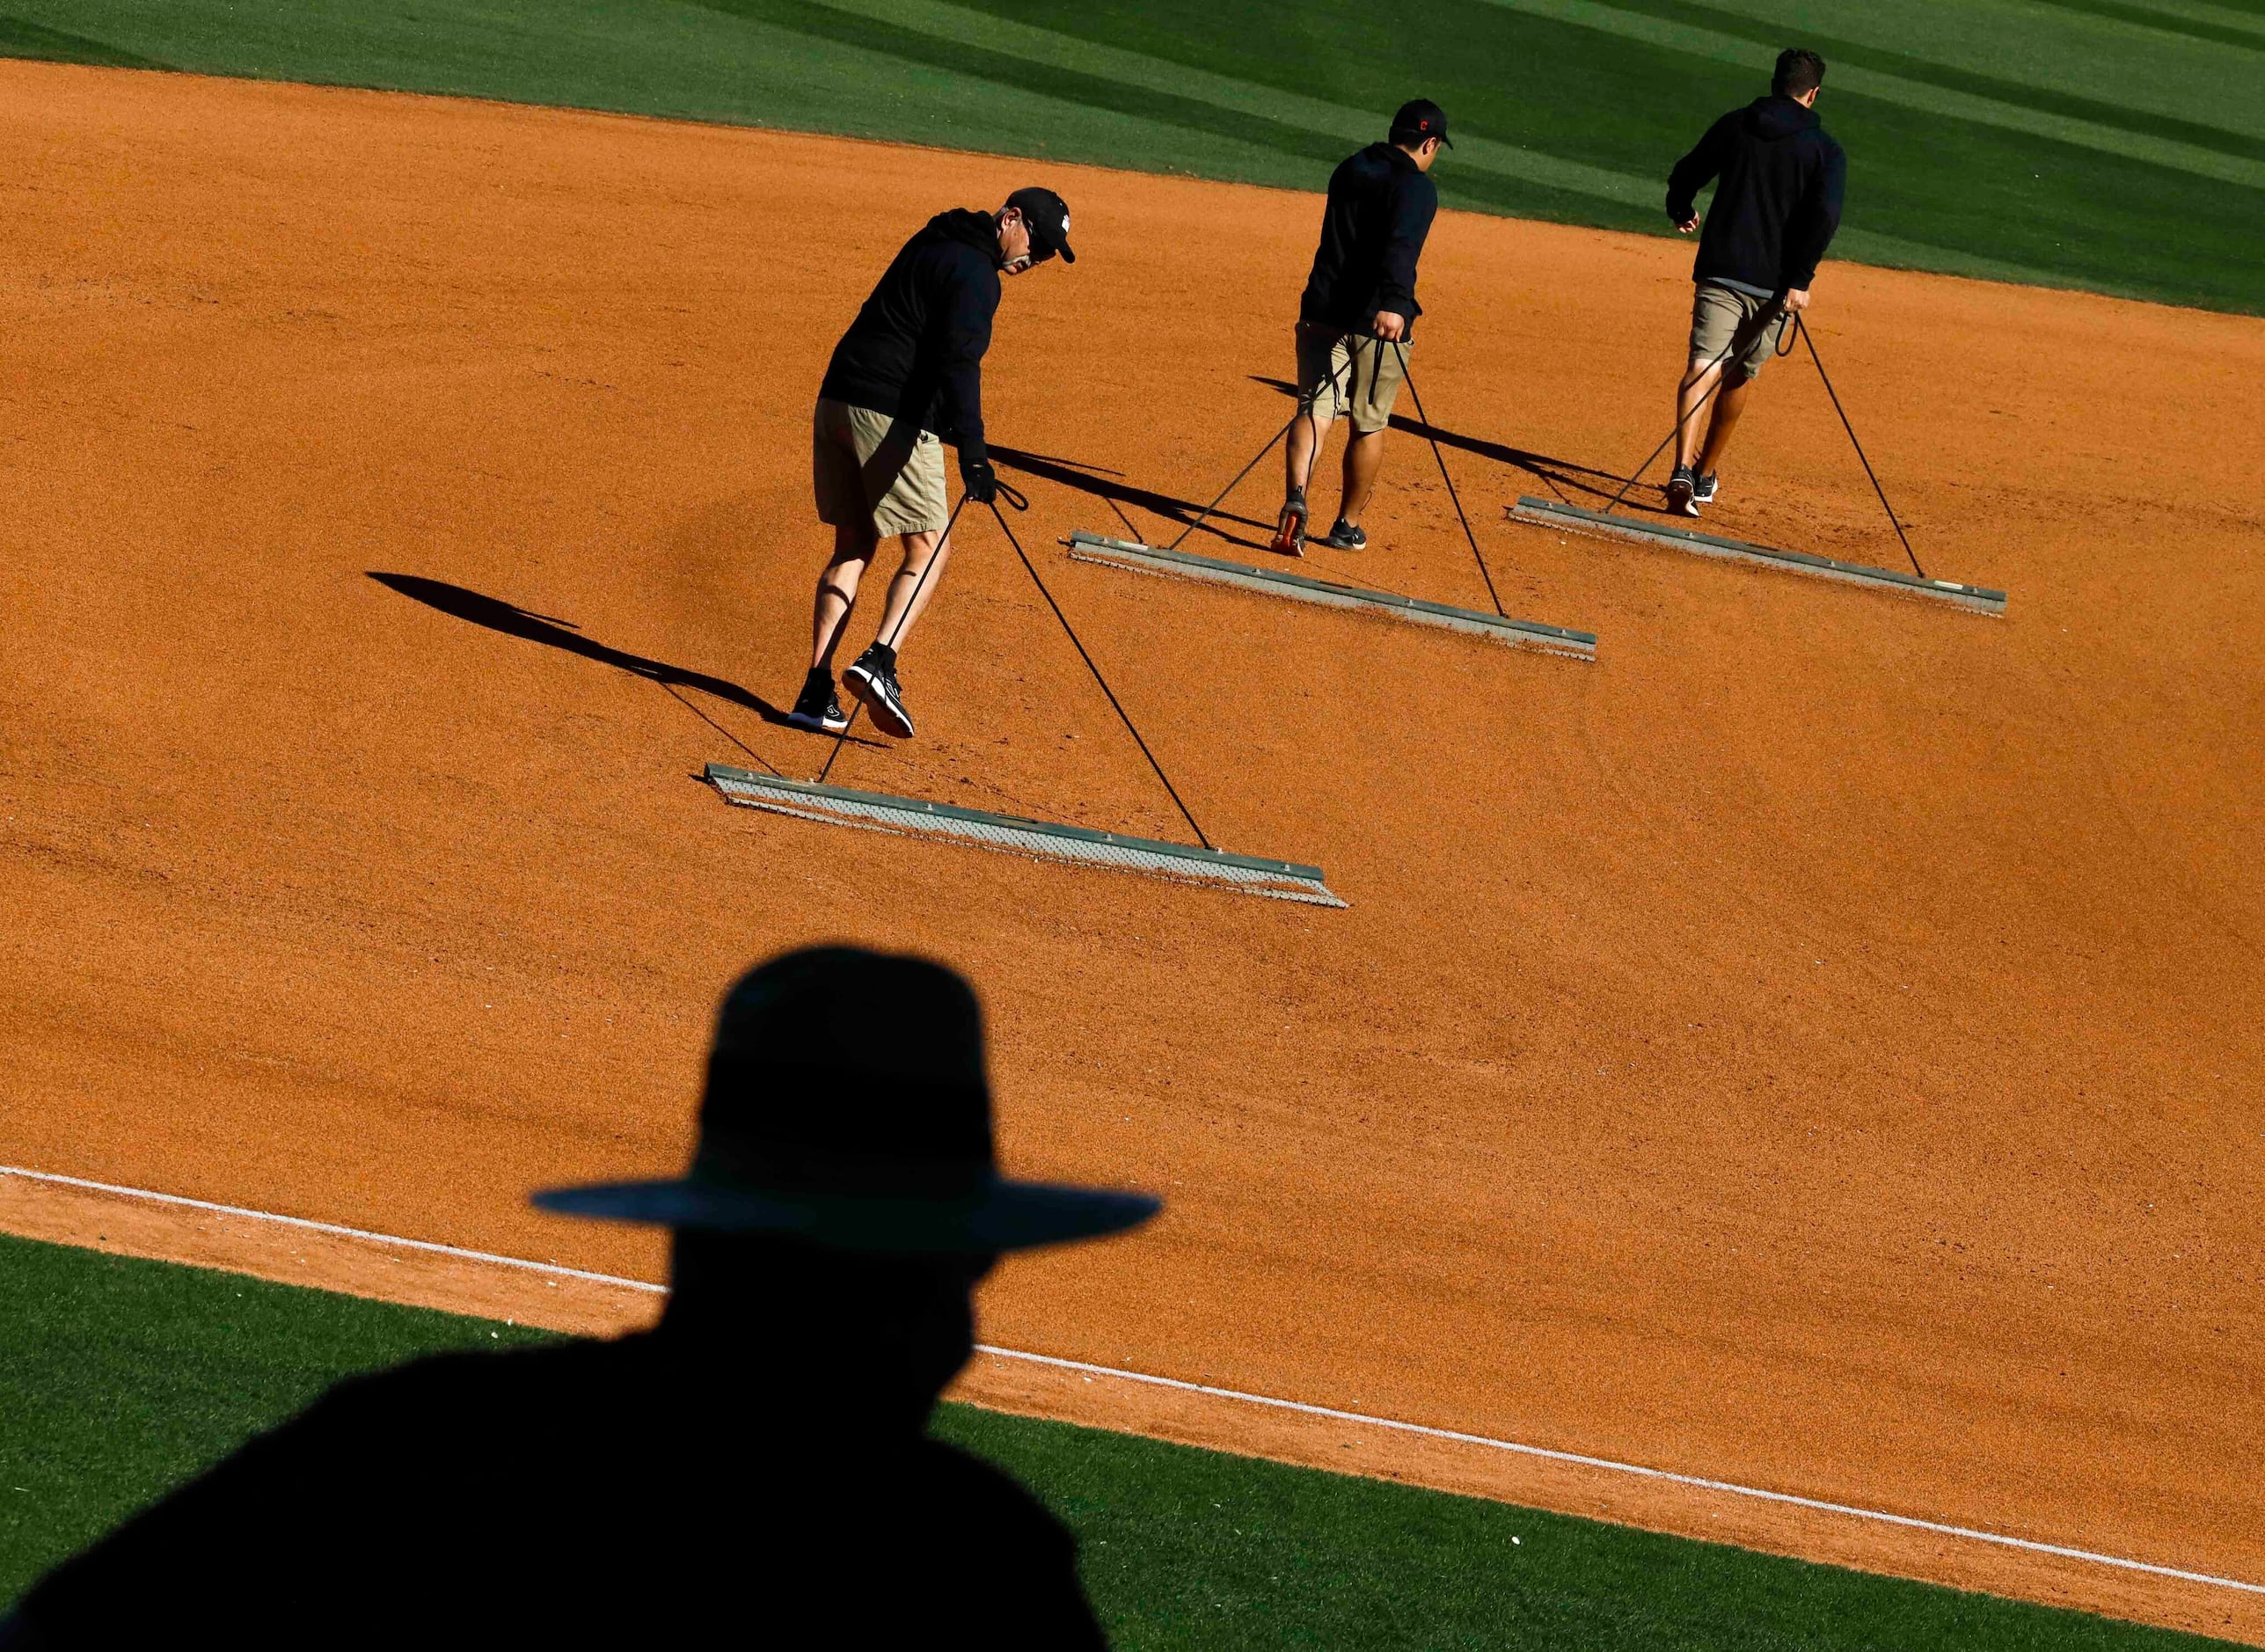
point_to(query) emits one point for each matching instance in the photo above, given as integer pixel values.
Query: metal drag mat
(1147, 558)
(1040, 840)
(1978, 599)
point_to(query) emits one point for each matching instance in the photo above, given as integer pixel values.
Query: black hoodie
(915, 350)
(1778, 200)
(1380, 210)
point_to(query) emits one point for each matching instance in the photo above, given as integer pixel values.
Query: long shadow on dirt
(497, 615)
(1559, 474)
(494, 614)
(1091, 479)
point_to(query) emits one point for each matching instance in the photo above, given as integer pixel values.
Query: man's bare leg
(854, 544)
(1690, 396)
(1730, 407)
(1303, 447)
(916, 582)
(1364, 457)
(1307, 435)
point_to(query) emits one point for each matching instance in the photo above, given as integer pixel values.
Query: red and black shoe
(1289, 535)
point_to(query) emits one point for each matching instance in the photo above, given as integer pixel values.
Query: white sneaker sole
(886, 717)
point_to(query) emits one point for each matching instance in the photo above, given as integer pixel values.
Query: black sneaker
(873, 679)
(1289, 535)
(1702, 491)
(1681, 490)
(1343, 536)
(817, 708)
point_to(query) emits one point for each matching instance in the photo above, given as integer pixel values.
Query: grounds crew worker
(1359, 302)
(755, 1471)
(1774, 212)
(909, 367)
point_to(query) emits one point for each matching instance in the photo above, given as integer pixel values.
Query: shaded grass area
(2003, 151)
(120, 1377)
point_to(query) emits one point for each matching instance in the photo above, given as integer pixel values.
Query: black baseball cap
(1420, 119)
(1047, 215)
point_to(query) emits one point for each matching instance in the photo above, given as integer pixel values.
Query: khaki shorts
(867, 466)
(1353, 375)
(1727, 323)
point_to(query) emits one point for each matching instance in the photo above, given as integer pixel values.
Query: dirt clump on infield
(1812, 1047)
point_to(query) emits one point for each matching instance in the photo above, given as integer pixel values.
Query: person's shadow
(1085, 478)
(494, 614)
(1559, 474)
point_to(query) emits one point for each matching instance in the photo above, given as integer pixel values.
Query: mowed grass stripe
(956, 37)
(1576, 123)
(1581, 123)
(1934, 88)
(1010, 54)
(21, 39)
(1629, 105)
(2171, 22)
(2025, 47)
(124, 1378)
(1487, 175)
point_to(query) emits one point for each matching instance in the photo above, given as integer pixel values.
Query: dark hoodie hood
(1779, 182)
(1775, 117)
(976, 229)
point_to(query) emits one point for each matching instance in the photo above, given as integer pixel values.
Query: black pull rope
(1304, 410)
(843, 739)
(840, 741)
(1897, 521)
(1637, 474)
(1021, 503)
(1483, 573)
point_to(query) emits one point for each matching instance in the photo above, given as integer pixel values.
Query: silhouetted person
(753, 1473)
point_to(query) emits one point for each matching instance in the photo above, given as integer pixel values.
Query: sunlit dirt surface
(1815, 1046)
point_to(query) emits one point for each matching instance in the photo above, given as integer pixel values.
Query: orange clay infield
(1815, 1046)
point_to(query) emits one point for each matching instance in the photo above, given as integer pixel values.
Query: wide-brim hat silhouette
(848, 1104)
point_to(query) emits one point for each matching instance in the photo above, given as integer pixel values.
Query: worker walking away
(1779, 182)
(1357, 317)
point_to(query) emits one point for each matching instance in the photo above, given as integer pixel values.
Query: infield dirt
(1815, 1046)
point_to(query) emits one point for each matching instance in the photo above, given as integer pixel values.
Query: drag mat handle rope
(1402, 350)
(1809, 338)
(843, 739)
(1021, 503)
(1636, 475)
(1304, 410)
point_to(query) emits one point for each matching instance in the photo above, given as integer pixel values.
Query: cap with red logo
(1418, 119)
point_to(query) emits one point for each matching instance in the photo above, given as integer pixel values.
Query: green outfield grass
(2113, 144)
(118, 1378)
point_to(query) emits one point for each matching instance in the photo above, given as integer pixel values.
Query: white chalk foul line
(332, 1228)
(1608, 1465)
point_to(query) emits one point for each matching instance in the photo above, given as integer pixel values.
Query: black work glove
(977, 477)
